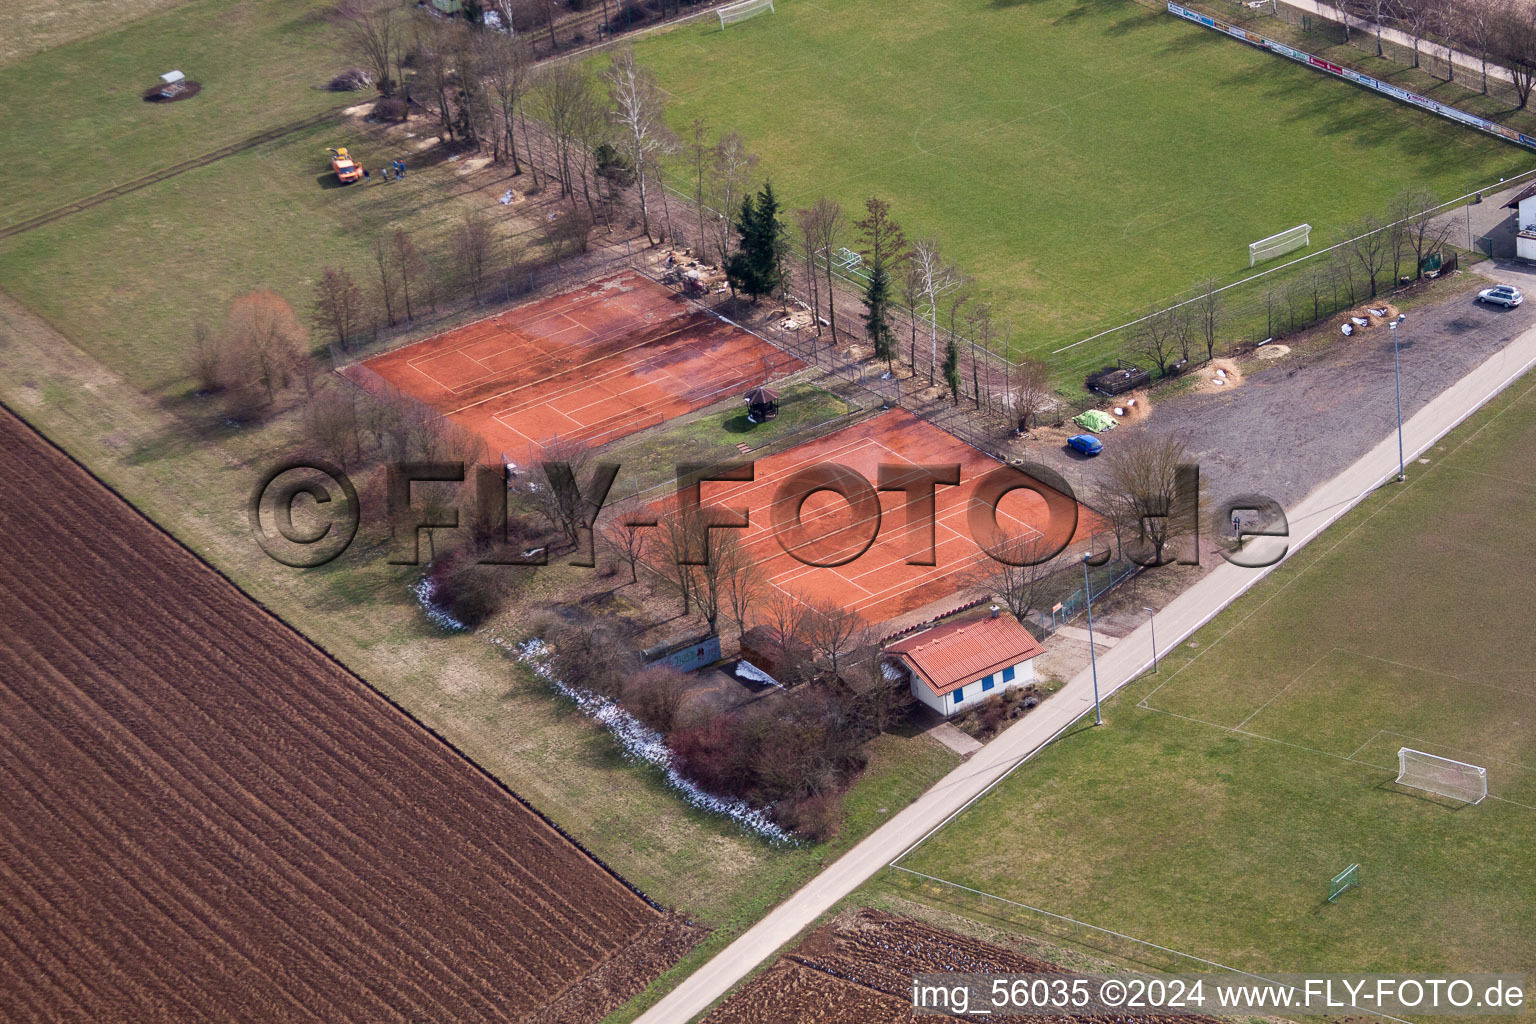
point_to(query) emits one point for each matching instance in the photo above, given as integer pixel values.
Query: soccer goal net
(1297, 237)
(1441, 775)
(732, 13)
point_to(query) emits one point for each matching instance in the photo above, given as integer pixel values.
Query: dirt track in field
(202, 817)
(860, 966)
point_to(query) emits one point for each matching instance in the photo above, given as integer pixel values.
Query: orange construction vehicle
(347, 170)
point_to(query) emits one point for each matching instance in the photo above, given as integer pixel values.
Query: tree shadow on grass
(739, 424)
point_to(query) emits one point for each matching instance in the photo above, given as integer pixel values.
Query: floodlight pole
(1397, 377)
(1152, 623)
(1093, 658)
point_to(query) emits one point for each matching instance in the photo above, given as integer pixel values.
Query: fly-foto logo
(305, 513)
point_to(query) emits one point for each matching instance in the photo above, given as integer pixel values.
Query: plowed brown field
(860, 968)
(204, 818)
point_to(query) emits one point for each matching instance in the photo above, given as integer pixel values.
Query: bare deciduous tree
(203, 359)
(639, 113)
(265, 338)
(339, 308)
(743, 577)
(937, 280)
(474, 250)
(698, 168)
(1018, 576)
(1031, 390)
(731, 173)
(821, 226)
(506, 61)
(911, 284)
(805, 225)
(331, 421)
(563, 100)
(1477, 25)
(1423, 231)
(1141, 494)
(627, 541)
(833, 632)
(1368, 248)
(407, 263)
(1156, 338)
(388, 281)
(375, 34)
(433, 45)
(1514, 45)
(1207, 316)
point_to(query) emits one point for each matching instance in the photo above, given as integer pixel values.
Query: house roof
(1525, 193)
(950, 655)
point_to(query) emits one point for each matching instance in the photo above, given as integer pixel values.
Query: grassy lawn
(75, 122)
(33, 28)
(128, 279)
(1081, 161)
(1226, 790)
(711, 436)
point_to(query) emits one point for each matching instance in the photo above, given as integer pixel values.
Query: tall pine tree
(877, 324)
(757, 265)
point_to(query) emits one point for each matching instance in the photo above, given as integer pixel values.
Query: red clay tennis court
(594, 364)
(878, 583)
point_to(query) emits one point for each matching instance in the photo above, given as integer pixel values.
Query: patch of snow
(746, 670)
(426, 592)
(640, 742)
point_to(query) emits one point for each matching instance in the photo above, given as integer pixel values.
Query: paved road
(1117, 666)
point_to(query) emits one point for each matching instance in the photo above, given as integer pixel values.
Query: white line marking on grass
(1322, 553)
(1369, 740)
(1293, 681)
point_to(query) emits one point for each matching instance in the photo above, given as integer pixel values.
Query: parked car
(1085, 444)
(1506, 295)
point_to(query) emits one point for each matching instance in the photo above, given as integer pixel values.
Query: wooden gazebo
(762, 404)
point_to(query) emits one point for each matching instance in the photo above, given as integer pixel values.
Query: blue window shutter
(987, 683)
(960, 695)
(1008, 675)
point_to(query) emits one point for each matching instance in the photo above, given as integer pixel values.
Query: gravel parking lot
(1298, 422)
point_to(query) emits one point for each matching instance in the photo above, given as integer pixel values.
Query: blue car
(1087, 444)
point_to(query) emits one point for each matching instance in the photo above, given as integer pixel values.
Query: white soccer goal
(1441, 775)
(732, 13)
(1297, 237)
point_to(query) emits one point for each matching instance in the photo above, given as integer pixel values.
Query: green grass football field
(1080, 160)
(1210, 812)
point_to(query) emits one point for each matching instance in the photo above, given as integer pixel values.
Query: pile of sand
(1272, 351)
(792, 318)
(1131, 407)
(1218, 375)
(1374, 315)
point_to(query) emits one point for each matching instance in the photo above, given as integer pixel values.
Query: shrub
(390, 108)
(714, 755)
(593, 656)
(815, 817)
(470, 592)
(655, 695)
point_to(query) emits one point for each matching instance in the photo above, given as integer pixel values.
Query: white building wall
(1525, 221)
(972, 693)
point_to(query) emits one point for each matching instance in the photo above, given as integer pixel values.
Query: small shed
(1524, 205)
(687, 655)
(957, 663)
(762, 404)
